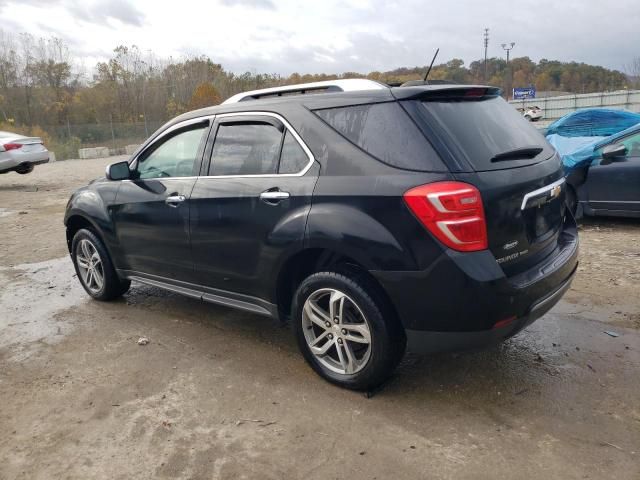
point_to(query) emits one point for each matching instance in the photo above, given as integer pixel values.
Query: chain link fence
(70, 140)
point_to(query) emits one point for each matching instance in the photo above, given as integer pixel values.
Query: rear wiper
(517, 154)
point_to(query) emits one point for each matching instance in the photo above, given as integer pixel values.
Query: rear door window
(385, 131)
(293, 158)
(247, 148)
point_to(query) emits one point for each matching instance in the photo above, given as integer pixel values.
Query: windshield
(481, 131)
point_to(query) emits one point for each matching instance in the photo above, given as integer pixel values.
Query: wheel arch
(313, 260)
(77, 221)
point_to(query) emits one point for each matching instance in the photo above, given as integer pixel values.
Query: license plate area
(32, 147)
(542, 211)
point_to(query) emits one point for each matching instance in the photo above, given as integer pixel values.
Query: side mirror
(612, 151)
(118, 171)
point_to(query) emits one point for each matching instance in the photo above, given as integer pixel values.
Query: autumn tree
(205, 95)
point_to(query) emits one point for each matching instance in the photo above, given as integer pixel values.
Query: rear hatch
(485, 142)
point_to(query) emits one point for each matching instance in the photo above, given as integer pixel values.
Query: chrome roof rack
(346, 85)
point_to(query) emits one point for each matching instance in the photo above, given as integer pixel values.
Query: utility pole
(508, 47)
(486, 46)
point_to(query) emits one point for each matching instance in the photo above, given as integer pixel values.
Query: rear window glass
(385, 131)
(478, 130)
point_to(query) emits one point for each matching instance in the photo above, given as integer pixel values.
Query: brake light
(12, 146)
(452, 212)
(475, 92)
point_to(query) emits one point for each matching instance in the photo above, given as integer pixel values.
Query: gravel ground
(224, 394)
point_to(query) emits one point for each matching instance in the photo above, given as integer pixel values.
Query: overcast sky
(284, 36)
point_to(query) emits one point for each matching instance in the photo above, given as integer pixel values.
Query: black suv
(374, 218)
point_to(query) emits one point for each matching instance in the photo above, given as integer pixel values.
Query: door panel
(237, 238)
(151, 211)
(154, 234)
(615, 186)
(245, 217)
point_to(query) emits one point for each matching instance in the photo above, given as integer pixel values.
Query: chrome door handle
(175, 200)
(273, 196)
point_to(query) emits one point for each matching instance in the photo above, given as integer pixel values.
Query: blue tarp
(578, 151)
(574, 151)
(593, 122)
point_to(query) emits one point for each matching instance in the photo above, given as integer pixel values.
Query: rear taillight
(452, 212)
(12, 146)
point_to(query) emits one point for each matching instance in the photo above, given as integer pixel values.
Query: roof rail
(346, 85)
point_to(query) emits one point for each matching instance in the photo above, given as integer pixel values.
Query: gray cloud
(353, 36)
(92, 12)
(266, 4)
(98, 12)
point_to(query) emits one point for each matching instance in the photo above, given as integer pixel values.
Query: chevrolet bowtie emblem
(555, 192)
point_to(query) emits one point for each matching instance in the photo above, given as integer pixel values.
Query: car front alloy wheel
(90, 266)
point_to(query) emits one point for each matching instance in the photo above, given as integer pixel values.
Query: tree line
(45, 89)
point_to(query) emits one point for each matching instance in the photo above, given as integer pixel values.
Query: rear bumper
(12, 162)
(458, 300)
(422, 342)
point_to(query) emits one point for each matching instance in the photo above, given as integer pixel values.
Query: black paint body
(226, 245)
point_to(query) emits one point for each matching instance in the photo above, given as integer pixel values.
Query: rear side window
(246, 149)
(385, 131)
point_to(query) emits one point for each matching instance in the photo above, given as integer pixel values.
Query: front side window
(174, 157)
(247, 148)
(632, 142)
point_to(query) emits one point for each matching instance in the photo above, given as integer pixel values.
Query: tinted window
(246, 149)
(174, 157)
(293, 158)
(632, 143)
(478, 130)
(385, 131)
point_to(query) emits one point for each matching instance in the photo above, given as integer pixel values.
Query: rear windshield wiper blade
(517, 154)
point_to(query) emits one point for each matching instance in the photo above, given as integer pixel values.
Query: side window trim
(162, 137)
(287, 128)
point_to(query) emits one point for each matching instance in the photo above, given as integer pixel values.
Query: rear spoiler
(446, 92)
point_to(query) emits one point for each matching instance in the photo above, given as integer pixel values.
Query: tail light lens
(12, 146)
(452, 212)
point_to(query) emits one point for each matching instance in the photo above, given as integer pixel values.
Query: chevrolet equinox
(376, 219)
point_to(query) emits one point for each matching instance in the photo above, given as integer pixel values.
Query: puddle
(31, 296)
(4, 212)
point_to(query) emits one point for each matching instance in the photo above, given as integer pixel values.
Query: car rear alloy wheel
(336, 331)
(90, 266)
(346, 329)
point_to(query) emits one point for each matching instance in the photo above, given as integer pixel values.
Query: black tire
(388, 340)
(24, 170)
(112, 286)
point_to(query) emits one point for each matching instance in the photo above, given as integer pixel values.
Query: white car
(533, 114)
(20, 154)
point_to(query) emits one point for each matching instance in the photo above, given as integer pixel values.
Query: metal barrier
(556, 107)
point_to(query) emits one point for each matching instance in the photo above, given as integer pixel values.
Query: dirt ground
(224, 394)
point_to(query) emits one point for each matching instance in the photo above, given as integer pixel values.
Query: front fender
(91, 204)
